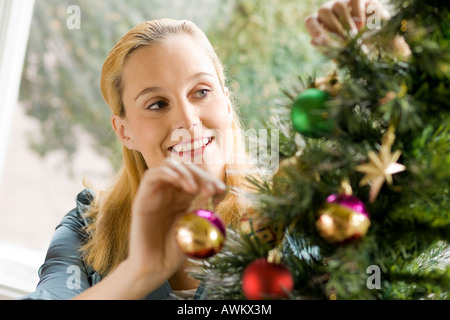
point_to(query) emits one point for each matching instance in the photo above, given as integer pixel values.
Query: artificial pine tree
(359, 208)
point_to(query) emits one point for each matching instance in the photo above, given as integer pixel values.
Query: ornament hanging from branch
(267, 278)
(254, 226)
(381, 166)
(200, 234)
(309, 115)
(343, 218)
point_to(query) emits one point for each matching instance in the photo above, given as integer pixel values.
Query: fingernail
(358, 22)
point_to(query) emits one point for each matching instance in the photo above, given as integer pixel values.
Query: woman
(162, 79)
(162, 82)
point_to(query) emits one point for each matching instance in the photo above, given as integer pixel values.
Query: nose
(185, 116)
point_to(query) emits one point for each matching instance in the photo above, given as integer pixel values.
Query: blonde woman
(162, 81)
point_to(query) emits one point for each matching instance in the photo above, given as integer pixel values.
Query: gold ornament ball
(252, 225)
(200, 234)
(339, 223)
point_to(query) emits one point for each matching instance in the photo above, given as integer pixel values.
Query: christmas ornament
(330, 84)
(404, 26)
(381, 167)
(309, 116)
(252, 225)
(343, 218)
(266, 280)
(200, 234)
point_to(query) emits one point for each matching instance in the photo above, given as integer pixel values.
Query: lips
(193, 146)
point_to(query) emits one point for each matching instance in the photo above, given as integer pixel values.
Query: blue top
(64, 274)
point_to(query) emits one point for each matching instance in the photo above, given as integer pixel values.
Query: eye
(203, 93)
(157, 105)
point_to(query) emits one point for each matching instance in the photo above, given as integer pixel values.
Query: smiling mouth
(190, 147)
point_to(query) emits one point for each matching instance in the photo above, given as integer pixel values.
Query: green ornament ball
(309, 116)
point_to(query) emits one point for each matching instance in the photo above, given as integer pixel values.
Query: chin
(217, 170)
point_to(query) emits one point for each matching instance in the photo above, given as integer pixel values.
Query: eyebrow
(148, 90)
(156, 89)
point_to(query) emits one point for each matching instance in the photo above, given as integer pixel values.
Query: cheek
(221, 115)
(152, 154)
(149, 137)
(225, 135)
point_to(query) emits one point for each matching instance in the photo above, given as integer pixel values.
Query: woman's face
(175, 106)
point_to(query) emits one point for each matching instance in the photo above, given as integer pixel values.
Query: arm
(164, 195)
(124, 283)
(63, 274)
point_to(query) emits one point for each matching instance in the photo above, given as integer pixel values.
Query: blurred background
(55, 127)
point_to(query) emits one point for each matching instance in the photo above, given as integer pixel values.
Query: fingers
(358, 12)
(343, 18)
(200, 179)
(332, 16)
(187, 177)
(341, 10)
(361, 9)
(332, 22)
(165, 174)
(319, 35)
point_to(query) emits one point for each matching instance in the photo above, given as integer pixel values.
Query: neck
(180, 280)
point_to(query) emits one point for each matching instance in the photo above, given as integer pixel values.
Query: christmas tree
(359, 208)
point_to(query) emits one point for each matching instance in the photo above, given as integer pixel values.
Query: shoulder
(71, 232)
(63, 262)
(84, 198)
(75, 219)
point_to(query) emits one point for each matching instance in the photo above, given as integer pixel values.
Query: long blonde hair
(110, 211)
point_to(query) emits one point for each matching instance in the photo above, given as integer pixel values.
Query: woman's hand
(338, 20)
(342, 18)
(164, 195)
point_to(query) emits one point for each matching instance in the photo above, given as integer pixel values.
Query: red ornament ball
(264, 280)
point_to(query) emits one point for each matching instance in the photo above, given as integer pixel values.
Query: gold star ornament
(381, 166)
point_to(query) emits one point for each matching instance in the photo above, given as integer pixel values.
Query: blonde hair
(110, 211)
